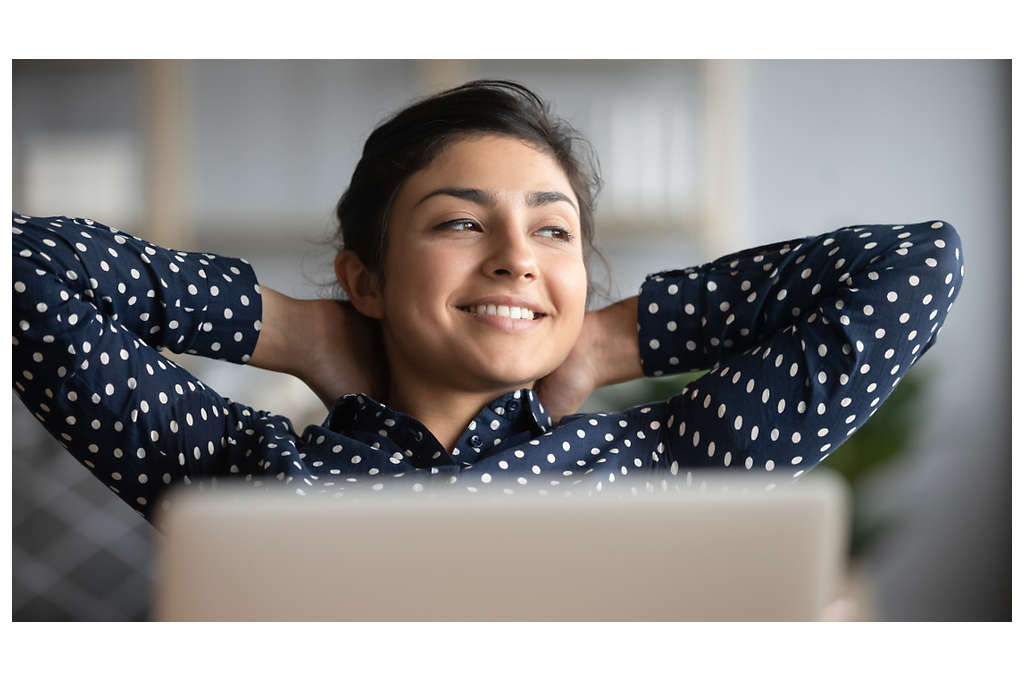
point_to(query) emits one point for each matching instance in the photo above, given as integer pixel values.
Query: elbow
(944, 231)
(944, 252)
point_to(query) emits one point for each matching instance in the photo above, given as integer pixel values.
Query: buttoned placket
(516, 414)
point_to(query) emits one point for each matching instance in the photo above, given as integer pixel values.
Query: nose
(511, 254)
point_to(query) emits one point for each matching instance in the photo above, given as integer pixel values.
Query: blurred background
(700, 158)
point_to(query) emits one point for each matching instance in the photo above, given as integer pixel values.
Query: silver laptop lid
(725, 550)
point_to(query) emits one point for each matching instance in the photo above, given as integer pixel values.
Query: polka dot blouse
(803, 340)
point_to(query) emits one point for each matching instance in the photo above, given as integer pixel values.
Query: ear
(362, 286)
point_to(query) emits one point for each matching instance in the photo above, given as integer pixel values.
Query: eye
(460, 225)
(556, 232)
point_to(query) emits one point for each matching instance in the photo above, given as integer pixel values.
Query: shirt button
(475, 441)
(512, 406)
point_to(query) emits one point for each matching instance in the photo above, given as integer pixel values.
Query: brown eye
(460, 225)
(556, 232)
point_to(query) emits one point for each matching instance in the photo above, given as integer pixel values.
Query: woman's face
(488, 231)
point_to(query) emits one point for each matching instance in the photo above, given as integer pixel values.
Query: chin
(510, 381)
(511, 378)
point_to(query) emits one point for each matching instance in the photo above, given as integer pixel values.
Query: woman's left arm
(607, 352)
(804, 339)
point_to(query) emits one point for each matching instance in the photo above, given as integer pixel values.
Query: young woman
(466, 346)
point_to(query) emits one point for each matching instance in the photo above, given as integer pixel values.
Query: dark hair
(410, 139)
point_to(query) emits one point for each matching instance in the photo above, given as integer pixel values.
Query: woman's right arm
(326, 343)
(91, 309)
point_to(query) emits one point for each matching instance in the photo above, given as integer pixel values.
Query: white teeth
(512, 312)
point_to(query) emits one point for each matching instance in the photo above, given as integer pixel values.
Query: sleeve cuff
(669, 322)
(231, 310)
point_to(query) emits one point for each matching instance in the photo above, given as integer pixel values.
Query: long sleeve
(805, 338)
(92, 307)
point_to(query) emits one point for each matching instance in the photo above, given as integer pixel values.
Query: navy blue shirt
(803, 338)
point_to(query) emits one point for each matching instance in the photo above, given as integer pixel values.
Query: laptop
(737, 547)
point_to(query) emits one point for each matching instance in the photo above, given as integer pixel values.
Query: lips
(504, 306)
(512, 312)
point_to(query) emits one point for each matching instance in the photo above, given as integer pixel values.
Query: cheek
(420, 281)
(570, 281)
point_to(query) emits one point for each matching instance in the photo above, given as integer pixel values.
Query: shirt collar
(354, 413)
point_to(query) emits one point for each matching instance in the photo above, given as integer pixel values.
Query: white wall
(833, 143)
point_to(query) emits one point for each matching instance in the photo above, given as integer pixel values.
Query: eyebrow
(485, 198)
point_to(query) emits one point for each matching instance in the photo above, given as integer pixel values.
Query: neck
(446, 411)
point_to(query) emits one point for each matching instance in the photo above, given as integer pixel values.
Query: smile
(511, 312)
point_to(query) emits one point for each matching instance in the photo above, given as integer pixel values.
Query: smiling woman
(457, 263)
(465, 345)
